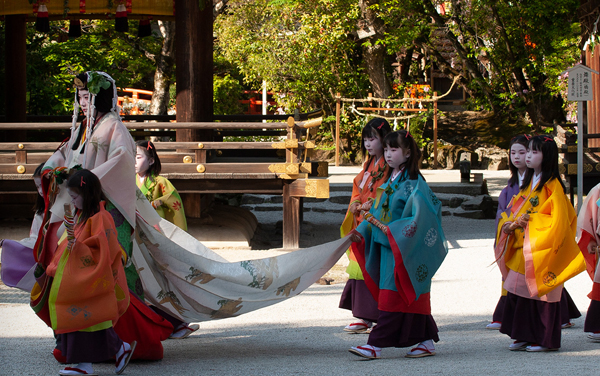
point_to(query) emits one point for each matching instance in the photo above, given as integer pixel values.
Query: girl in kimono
(536, 252)
(159, 191)
(588, 239)
(88, 291)
(17, 258)
(356, 296)
(518, 168)
(399, 246)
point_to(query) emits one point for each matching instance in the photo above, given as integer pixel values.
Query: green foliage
(226, 95)
(53, 59)
(302, 49)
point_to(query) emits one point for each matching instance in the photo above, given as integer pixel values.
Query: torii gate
(194, 54)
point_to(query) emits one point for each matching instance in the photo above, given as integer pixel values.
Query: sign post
(580, 90)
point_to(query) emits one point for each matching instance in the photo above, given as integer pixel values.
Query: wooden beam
(316, 188)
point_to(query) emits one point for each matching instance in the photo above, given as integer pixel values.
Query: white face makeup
(84, 101)
(534, 160)
(142, 162)
(395, 157)
(373, 146)
(518, 153)
(38, 184)
(76, 198)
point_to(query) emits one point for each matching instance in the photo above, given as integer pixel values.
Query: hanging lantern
(42, 23)
(121, 19)
(144, 28)
(75, 29)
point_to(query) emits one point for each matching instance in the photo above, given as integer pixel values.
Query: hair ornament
(79, 84)
(82, 182)
(148, 146)
(547, 138)
(381, 125)
(407, 134)
(527, 136)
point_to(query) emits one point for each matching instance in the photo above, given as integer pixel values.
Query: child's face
(517, 156)
(76, 198)
(534, 159)
(373, 145)
(84, 101)
(38, 184)
(142, 162)
(396, 157)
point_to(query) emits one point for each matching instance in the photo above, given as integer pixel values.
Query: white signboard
(580, 84)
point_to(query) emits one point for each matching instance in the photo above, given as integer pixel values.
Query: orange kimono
(364, 188)
(89, 290)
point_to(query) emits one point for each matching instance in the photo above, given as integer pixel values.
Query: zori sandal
(366, 351)
(70, 371)
(123, 359)
(183, 331)
(420, 352)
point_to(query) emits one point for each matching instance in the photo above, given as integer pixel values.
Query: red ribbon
(82, 182)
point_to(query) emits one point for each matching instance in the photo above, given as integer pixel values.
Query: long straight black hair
(521, 139)
(403, 139)
(40, 204)
(88, 186)
(549, 150)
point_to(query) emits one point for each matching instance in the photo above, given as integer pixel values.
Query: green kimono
(159, 188)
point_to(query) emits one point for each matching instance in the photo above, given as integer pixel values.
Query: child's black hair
(150, 151)
(375, 128)
(88, 186)
(40, 204)
(521, 139)
(403, 139)
(549, 149)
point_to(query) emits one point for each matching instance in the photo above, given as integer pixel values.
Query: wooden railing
(196, 168)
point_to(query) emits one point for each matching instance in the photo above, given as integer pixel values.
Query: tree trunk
(165, 62)
(375, 55)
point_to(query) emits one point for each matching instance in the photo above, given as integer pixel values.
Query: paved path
(303, 335)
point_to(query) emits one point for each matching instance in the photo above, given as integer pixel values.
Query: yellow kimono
(538, 259)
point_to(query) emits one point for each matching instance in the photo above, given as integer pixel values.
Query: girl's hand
(355, 237)
(522, 220)
(156, 204)
(592, 248)
(509, 227)
(355, 208)
(367, 205)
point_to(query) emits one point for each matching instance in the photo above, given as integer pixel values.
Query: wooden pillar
(194, 60)
(15, 75)
(291, 218)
